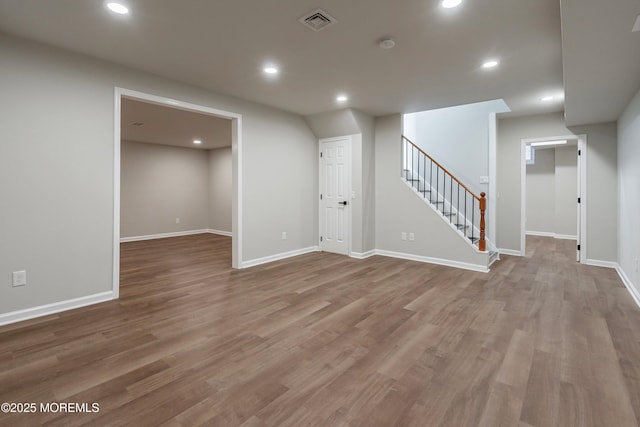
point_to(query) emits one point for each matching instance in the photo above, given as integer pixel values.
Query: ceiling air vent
(318, 20)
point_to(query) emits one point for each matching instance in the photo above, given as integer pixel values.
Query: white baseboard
(511, 252)
(56, 307)
(219, 232)
(430, 260)
(363, 255)
(554, 235)
(635, 293)
(565, 237)
(278, 257)
(162, 235)
(598, 263)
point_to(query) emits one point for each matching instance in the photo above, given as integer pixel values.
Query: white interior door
(335, 173)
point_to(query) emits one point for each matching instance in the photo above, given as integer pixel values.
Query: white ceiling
(223, 45)
(170, 126)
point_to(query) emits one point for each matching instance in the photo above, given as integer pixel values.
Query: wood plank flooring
(325, 340)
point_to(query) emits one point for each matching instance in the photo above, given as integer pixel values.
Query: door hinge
(578, 199)
(579, 152)
(321, 197)
(321, 238)
(578, 247)
(321, 154)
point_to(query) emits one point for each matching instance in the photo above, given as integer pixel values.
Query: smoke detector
(387, 43)
(317, 20)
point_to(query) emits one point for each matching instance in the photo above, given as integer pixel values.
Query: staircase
(456, 203)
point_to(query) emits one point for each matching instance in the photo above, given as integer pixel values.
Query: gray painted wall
(629, 191)
(399, 209)
(360, 127)
(601, 178)
(56, 167)
(566, 191)
(333, 124)
(541, 194)
(220, 191)
(457, 137)
(160, 183)
(366, 124)
(552, 186)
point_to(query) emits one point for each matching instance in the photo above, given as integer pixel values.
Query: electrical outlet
(19, 278)
(177, 220)
(412, 237)
(403, 236)
(284, 235)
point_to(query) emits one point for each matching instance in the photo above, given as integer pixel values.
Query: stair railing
(435, 183)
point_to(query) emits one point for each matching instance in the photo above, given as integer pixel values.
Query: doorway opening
(155, 105)
(553, 190)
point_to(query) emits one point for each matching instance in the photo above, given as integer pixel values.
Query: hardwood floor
(325, 340)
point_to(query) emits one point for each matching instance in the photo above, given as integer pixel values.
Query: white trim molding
(554, 235)
(511, 252)
(280, 256)
(219, 232)
(175, 234)
(53, 308)
(565, 237)
(236, 168)
(162, 235)
(635, 293)
(430, 260)
(599, 263)
(363, 255)
(581, 237)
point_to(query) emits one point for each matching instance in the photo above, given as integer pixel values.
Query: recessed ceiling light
(545, 143)
(448, 4)
(490, 64)
(118, 8)
(547, 98)
(342, 98)
(197, 141)
(270, 70)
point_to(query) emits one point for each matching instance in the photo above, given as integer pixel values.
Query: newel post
(482, 245)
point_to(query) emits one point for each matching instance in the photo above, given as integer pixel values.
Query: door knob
(344, 203)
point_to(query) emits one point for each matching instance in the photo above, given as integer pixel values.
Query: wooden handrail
(482, 201)
(482, 244)
(442, 167)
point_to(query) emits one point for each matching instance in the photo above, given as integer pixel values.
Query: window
(529, 154)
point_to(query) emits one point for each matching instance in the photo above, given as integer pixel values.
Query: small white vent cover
(318, 20)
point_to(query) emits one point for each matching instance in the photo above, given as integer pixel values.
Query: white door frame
(236, 171)
(582, 191)
(349, 199)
